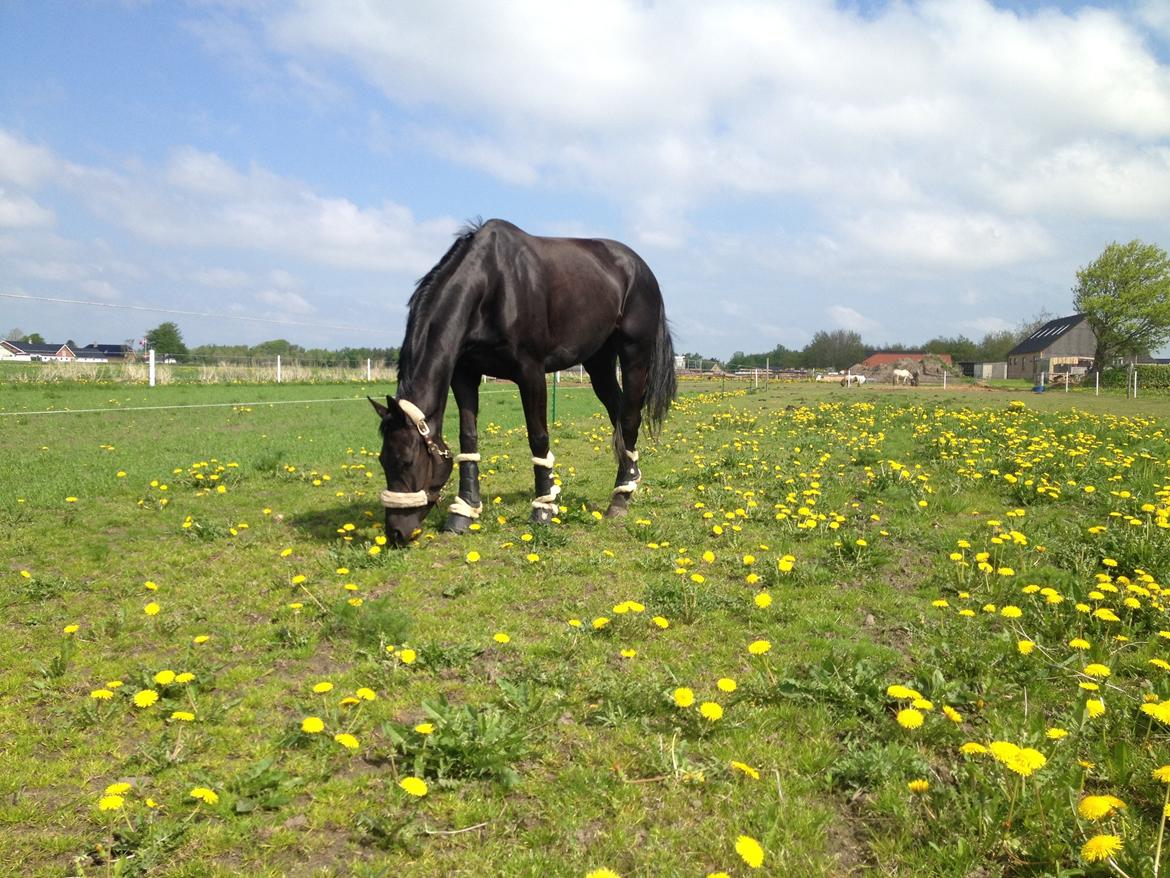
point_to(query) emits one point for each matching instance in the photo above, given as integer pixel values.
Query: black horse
(511, 305)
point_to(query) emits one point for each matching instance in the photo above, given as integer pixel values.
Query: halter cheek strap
(414, 499)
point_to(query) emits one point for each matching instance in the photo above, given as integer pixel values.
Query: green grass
(553, 754)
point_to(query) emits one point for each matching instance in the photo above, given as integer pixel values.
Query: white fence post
(944, 379)
(369, 368)
(151, 369)
(1135, 382)
(278, 368)
(1066, 382)
(1097, 383)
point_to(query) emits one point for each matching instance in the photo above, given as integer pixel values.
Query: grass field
(910, 632)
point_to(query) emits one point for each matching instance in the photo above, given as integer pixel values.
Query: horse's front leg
(467, 506)
(533, 396)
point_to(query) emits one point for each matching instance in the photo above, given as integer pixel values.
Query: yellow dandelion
(684, 697)
(415, 786)
(750, 851)
(909, 718)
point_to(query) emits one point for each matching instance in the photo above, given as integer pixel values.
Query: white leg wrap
(632, 455)
(548, 501)
(546, 462)
(403, 499)
(462, 507)
(627, 488)
(466, 458)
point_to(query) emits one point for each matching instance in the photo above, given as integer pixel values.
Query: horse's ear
(379, 408)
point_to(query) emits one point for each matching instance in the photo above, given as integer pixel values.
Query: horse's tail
(662, 383)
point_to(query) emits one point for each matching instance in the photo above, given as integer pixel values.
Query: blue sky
(905, 169)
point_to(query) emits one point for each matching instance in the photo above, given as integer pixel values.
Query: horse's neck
(436, 343)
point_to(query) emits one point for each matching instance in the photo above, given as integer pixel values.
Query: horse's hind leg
(602, 372)
(635, 374)
(534, 398)
(467, 505)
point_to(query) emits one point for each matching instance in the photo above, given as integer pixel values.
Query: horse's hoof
(616, 510)
(456, 524)
(542, 516)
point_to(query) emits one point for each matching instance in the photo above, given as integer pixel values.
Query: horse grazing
(905, 376)
(852, 380)
(511, 305)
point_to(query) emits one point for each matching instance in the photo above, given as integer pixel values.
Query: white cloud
(201, 201)
(20, 211)
(849, 318)
(923, 103)
(22, 163)
(285, 302)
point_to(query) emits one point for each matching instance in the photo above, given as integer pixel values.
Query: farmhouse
(26, 351)
(1067, 344)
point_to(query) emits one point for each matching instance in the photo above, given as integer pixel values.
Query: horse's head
(417, 466)
(914, 378)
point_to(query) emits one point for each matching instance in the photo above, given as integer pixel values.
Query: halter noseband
(414, 499)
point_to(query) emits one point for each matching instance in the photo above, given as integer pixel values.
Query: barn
(1067, 344)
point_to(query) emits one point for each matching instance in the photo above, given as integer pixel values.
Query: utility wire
(159, 310)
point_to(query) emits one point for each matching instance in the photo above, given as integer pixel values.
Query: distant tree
(994, 346)
(1125, 296)
(961, 348)
(34, 338)
(839, 349)
(275, 346)
(167, 341)
(14, 334)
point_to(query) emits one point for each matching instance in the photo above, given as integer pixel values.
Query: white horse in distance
(905, 376)
(851, 380)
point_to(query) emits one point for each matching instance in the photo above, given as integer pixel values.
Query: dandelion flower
(346, 740)
(726, 684)
(661, 622)
(322, 687)
(684, 697)
(973, 748)
(425, 728)
(602, 873)
(365, 693)
(501, 637)
(311, 725)
(1098, 807)
(711, 711)
(918, 785)
(151, 609)
(118, 789)
(1025, 647)
(745, 769)
(763, 600)
(145, 698)
(183, 716)
(1095, 707)
(101, 694)
(407, 656)
(204, 794)
(1055, 733)
(164, 678)
(415, 786)
(750, 851)
(1101, 847)
(952, 714)
(600, 622)
(110, 803)
(759, 647)
(909, 718)
(1096, 670)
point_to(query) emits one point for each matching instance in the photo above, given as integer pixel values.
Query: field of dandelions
(910, 632)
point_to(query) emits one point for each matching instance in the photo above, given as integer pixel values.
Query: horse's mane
(422, 294)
